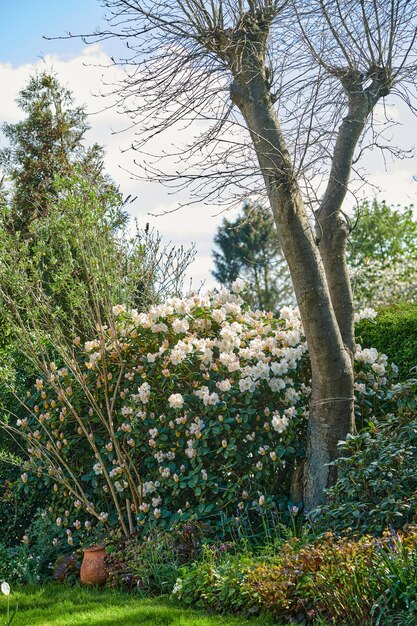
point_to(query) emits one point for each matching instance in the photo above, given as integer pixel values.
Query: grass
(59, 605)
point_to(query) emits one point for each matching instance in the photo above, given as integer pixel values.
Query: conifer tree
(248, 248)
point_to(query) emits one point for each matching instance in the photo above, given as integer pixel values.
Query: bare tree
(285, 92)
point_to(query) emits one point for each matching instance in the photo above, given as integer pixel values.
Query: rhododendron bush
(196, 409)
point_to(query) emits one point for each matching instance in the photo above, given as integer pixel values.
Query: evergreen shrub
(394, 333)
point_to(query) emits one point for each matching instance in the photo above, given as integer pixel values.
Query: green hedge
(394, 334)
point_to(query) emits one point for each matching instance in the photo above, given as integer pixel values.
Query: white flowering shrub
(196, 409)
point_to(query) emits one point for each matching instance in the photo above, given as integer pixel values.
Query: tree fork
(331, 410)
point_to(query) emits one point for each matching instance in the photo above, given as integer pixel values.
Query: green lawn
(58, 605)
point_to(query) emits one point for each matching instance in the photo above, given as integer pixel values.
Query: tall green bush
(194, 410)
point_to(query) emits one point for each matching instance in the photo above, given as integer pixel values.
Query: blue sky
(23, 23)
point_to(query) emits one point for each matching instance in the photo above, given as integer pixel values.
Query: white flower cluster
(144, 392)
(176, 401)
(279, 423)
(372, 357)
(208, 398)
(364, 314)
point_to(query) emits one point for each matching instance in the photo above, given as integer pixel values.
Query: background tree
(290, 89)
(47, 143)
(382, 254)
(49, 169)
(249, 249)
(61, 205)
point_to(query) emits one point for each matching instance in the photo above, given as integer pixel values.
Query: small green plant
(345, 587)
(397, 575)
(19, 564)
(5, 588)
(216, 581)
(402, 618)
(32, 560)
(150, 564)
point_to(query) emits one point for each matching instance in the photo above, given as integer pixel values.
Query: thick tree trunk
(331, 419)
(331, 412)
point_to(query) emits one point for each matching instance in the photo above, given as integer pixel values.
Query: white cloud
(84, 76)
(397, 186)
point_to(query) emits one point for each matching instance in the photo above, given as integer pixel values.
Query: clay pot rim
(94, 548)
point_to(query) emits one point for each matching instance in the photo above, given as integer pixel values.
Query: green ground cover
(56, 605)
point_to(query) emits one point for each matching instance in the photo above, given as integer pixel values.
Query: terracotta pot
(93, 569)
